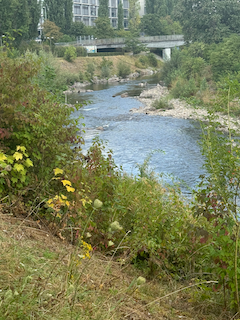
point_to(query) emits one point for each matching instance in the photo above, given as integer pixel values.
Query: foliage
(132, 44)
(120, 16)
(51, 30)
(60, 12)
(90, 70)
(105, 67)
(160, 7)
(208, 21)
(152, 60)
(101, 54)
(66, 38)
(19, 19)
(103, 11)
(162, 103)
(103, 28)
(32, 118)
(123, 69)
(77, 28)
(134, 18)
(70, 54)
(183, 88)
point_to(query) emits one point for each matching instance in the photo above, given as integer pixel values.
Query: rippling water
(133, 136)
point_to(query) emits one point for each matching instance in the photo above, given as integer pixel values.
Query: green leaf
(14, 180)
(18, 156)
(29, 163)
(18, 167)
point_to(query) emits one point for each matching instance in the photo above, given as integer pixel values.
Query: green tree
(34, 12)
(103, 11)
(60, 12)
(208, 21)
(134, 18)
(160, 7)
(132, 43)
(103, 28)
(120, 15)
(77, 29)
(151, 25)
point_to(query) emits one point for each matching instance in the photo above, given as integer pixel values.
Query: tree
(103, 11)
(134, 18)
(77, 29)
(133, 44)
(60, 12)
(208, 21)
(103, 28)
(120, 15)
(160, 7)
(51, 30)
(151, 25)
(34, 12)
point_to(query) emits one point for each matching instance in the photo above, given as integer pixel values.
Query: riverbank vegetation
(109, 245)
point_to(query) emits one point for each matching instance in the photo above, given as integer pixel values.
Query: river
(132, 137)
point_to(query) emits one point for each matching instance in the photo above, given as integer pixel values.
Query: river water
(132, 137)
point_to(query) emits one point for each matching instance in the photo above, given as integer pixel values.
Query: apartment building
(87, 11)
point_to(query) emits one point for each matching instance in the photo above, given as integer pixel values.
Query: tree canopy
(208, 21)
(103, 11)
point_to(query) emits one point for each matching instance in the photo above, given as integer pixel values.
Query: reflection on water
(132, 137)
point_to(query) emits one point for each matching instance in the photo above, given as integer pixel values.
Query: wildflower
(97, 204)
(110, 243)
(140, 280)
(115, 226)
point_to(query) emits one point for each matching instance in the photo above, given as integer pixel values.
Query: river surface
(132, 137)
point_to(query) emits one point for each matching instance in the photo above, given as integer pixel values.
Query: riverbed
(133, 136)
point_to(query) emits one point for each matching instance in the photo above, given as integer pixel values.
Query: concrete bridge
(162, 42)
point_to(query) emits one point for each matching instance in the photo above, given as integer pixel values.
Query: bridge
(162, 42)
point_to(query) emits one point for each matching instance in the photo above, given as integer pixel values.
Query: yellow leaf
(63, 197)
(23, 149)
(67, 203)
(58, 215)
(49, 201)
(18, 156)
(2, 157)
(66, 183)
(58, 171)
(70, 189)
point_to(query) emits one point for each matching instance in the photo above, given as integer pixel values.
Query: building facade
(86, 11)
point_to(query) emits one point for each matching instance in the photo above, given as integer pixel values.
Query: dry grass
(47, 280)
(80, 64)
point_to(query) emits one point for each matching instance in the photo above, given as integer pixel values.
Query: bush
(143, 60)
(70, 54)
(152, 60)
(162, 103)
(90, 70)
(81, 51)
(183, 88)
(123, 69)
(59, 51)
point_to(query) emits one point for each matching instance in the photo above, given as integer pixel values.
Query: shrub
(59, 51)
(90, 70)
(123, 69)
(143, 60)
(162, 103)
(70, 54)
(81, 51)
(152, 60)
(183, 88)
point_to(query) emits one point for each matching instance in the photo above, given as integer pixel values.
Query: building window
(78, 19)
(93, 1)
(114, 23)
(86, 21)
(77, 1)
(113, 3)
(77, 10)
(85, 10)
(93, 11)
(125, 13)
(125, 4)
(125, 24)
(114, 13)
(84, 1)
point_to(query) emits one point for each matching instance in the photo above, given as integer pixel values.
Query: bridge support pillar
(167, 54)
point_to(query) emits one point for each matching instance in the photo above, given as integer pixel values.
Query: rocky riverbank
(178, 108)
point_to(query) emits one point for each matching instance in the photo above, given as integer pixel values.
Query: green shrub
(152, 60)
(123, 69)
(183, 88)
(70, 54)
(162, 103)
(96, 54)
(90, 70)
(143, 60)
(59, 51)
(81, 51)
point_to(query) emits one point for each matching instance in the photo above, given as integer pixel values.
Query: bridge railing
(112, 41)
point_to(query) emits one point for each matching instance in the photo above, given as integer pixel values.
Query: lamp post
(1, 41)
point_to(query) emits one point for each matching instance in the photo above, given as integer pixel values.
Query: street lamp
(1, 41)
